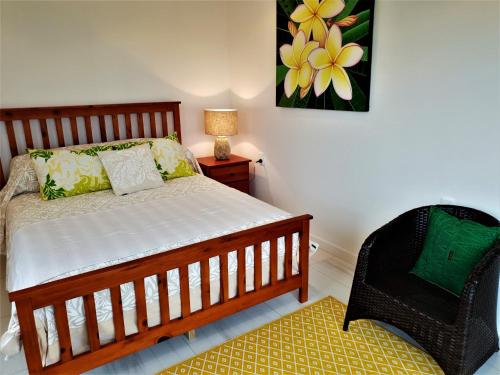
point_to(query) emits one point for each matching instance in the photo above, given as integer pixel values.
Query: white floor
(326, 278)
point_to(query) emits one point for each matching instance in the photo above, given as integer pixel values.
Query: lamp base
(222, 149)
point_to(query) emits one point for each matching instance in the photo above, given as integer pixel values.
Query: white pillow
(131, 170)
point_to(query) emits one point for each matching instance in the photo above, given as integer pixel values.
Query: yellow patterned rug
(311, 341)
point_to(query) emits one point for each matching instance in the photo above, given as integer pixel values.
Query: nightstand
(233, 172)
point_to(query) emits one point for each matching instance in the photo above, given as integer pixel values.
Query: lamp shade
(221, 122)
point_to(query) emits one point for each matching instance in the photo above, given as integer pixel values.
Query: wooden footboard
(85, 285)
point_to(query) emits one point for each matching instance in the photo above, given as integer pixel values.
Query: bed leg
(304, 262)
(191, 335)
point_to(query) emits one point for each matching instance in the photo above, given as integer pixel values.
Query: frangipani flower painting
(323, 58)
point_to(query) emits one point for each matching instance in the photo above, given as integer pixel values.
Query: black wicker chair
(459, 332)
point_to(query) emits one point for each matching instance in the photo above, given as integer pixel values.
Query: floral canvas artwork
(323, 57)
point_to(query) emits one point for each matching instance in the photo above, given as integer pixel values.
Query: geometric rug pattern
(311, 341)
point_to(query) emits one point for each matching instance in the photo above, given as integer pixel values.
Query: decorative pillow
(170, 156)
(22, 171)
(65, 173)
(131, 169)
(452, 248)
(171, 159)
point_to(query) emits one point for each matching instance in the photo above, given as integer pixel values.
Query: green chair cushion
(452, 248)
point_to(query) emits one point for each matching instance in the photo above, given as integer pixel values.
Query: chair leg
(346, 324)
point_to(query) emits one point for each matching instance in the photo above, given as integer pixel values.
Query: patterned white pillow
(131, 170)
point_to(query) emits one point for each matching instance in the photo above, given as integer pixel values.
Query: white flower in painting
(331, 61)
(310, 16)
(62, 167)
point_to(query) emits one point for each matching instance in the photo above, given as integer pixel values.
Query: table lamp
(221, 123)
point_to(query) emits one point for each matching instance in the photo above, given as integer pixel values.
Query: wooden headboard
(48, 127)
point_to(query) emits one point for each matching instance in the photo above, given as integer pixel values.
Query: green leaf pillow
(452, 248)
(169, 156)
(65, 173)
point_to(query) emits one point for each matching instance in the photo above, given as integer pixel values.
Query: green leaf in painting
(365, 54)
(288, 6)
(359, 101)
(349, 6)
(363, 16)
(281, 71)
(302, 103)
(289, 102)
(356, 33)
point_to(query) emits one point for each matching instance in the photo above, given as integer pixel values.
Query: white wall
(116, 52)
(433, 129)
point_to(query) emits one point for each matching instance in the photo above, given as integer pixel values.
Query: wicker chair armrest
(481, 289)
(363, 257)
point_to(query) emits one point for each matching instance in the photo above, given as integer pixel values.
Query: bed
(139, 268)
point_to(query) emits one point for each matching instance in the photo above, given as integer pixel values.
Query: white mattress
(55, 239)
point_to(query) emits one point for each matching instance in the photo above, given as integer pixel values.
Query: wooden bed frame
(138, 118)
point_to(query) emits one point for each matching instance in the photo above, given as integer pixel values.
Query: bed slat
(140, 125)
(91, 321)
(29, 335)
(184, 285)
(116, 127)
(273, 261)
(88, 129)
(224, 278)
(27, 133)
(116, 304)
(102, 129)
(63, 334)
(14, 151)
(288, 256)
(45, 133)
(128, 126)
(152, 124)
(164, 123)
(59, 132)
(241, 272)
(140, 305)
(257, 261)
(74, 130)
(205, 283)
(163, 297)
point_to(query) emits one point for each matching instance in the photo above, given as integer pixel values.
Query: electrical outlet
(261, 158)
(313, 247)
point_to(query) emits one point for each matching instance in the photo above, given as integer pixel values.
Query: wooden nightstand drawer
(233, 172)
(230, 173)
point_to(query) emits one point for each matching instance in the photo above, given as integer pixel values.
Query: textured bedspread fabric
(73, 235)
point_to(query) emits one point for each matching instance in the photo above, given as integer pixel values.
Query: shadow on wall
(114, 86)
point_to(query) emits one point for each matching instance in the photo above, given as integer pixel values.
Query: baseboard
(345, 257)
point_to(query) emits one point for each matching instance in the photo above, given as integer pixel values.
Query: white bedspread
(56, 239)
(78, 242)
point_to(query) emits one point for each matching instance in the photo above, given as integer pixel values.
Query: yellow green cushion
(65, 173)
(452, 248)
